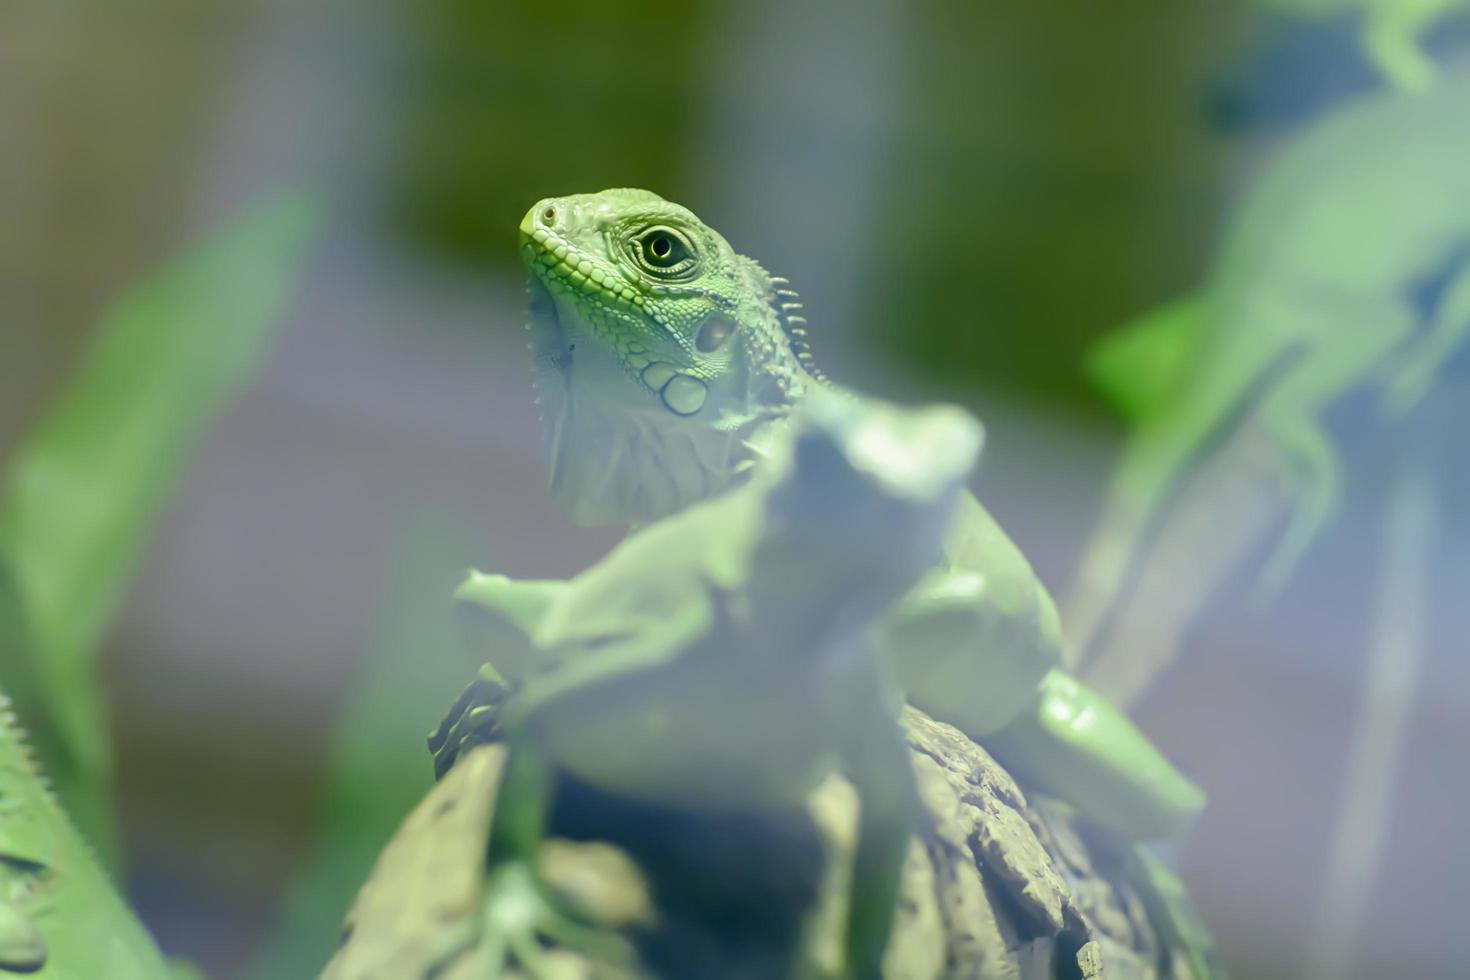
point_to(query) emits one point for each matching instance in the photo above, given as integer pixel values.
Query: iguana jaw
(648, 365)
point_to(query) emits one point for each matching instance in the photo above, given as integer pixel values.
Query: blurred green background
(967, 196)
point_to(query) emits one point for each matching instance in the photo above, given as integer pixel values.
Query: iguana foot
(1317, 484)
(473, 719)
(519, 920)
(1408, 377)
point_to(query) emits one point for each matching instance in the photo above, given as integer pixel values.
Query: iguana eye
(663, 249)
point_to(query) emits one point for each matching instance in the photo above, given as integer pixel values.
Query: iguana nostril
(548, 216)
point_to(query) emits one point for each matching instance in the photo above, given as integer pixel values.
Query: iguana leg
(877, 761)
(1316, 475)
(1415, 370)
(961, 654)
(517, 913)
(500, 615)
(980, 657)
(1076, 746)
(1352, 344)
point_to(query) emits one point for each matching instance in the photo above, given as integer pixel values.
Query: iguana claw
(473, 719)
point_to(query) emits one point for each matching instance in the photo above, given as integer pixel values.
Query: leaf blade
(84, 488)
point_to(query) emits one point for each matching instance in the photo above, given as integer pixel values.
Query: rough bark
(995, 888)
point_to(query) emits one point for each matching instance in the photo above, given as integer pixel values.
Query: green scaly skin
(60, 916)
(666, 364)
(1323, 285)
(721, 660)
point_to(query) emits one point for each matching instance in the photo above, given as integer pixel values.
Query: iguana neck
(613, 463)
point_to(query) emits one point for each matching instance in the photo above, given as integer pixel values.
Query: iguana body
(1347, 263)
(666, 365)
(721, 660)
(60, 916)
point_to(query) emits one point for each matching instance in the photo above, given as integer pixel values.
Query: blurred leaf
(379, 764)
(1138, 366)
(84, 488)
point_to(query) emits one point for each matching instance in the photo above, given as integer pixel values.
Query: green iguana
(1346, 265)
(721, 660)
(667, 366)
(60, 916)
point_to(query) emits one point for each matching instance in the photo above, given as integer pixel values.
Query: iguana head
(658, 352)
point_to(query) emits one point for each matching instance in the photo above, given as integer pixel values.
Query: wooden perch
(995, 888)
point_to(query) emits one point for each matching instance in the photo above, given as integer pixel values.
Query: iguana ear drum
(713, 334)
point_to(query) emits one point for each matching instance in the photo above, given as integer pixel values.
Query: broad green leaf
(379, 765)
(81, 494)
(1138, 366)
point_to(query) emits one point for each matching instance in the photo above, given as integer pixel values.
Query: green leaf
(84, 488)
(1139, 366)
(379, 763)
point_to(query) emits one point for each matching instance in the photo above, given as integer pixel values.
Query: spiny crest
(793, 325)
(630, 195)
(11, 730)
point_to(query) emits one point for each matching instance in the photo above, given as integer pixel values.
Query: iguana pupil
(663, 251)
